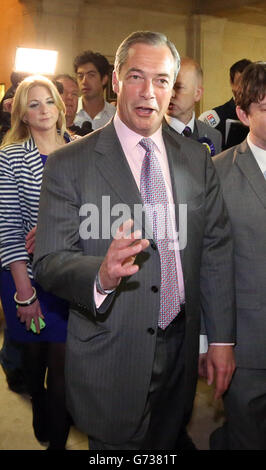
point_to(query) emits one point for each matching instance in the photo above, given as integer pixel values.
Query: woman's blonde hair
(19, 131)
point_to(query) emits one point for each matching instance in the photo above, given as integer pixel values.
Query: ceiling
(244, 11)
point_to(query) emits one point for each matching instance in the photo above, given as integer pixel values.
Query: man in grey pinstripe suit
(131, 384)
(242, 171)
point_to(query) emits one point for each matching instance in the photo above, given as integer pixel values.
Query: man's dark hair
(238, 66)
(252, 86)
(98, 60)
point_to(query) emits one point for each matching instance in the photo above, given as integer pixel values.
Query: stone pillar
(205, 40)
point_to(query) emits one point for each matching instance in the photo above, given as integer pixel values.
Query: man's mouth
(144, 110)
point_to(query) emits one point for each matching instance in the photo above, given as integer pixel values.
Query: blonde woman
(33, 317)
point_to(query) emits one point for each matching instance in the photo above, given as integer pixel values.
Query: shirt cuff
(98, 298)
(203, 347)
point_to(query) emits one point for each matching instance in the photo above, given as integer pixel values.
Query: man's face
(256, 120)
(144, 87)
(90, 82)
(70, 96)
(187, 91)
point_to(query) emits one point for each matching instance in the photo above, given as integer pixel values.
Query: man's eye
(162, 82)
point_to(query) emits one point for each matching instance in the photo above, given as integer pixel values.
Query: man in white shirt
(188, 90)
(92, 76)
(242, 171)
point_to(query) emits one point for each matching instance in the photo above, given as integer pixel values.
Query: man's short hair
(144, 37)
(238, 66)
(65, 75)
(193, 63)
(98, 60)
(252, 86)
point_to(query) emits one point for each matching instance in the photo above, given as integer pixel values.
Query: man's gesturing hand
(120, 257)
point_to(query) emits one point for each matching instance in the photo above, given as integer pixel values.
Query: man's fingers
(221, 366)
(210, 373)
(125, 252)
(124, 230)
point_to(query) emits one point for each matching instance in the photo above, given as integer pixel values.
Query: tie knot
(187, 131)
(147, 144)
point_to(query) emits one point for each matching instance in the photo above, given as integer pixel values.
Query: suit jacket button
(151, 331)
(154, 288)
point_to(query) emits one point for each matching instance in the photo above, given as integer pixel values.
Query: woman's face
(42, 112)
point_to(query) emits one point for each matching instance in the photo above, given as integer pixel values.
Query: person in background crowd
(133, 331)
(92, 71)
(70, 96)
(224, 117)
(6, 103)
(11, 352)
(188, 90)
(34, 318)
(242, 171)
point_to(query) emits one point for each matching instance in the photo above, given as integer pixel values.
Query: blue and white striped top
(21, 170)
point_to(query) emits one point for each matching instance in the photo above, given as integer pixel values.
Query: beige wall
(104, 30)
(224, 42)
(17, 28)
(71, 26)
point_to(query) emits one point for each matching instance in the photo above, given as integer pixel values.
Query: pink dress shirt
(135, 154)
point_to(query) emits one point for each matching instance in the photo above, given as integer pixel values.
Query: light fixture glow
(35, 61)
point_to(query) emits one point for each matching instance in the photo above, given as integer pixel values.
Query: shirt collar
(259, 154)
(130, 139)
(98, 116)
(178, 125)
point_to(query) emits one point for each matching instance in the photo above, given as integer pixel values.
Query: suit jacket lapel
(32, 159)
(249, 167)
(195, 134)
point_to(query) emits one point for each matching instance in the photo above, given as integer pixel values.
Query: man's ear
(104, 80)
(115, 82)
(242, 116)
(198, 93)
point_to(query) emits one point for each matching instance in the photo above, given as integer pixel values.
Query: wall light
(35, 61)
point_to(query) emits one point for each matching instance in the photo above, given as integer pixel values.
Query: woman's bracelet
(25, 303)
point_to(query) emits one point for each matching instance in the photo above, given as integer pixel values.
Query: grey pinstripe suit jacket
(213, 134)
(110, 351)
(244, 190)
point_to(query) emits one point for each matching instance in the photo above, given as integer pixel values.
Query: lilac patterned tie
(153, 192)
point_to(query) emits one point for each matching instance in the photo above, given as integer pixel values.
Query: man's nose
(147, 90)
(84, 78)
(69, 97)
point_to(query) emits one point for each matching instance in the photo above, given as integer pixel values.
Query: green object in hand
(33, 327)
